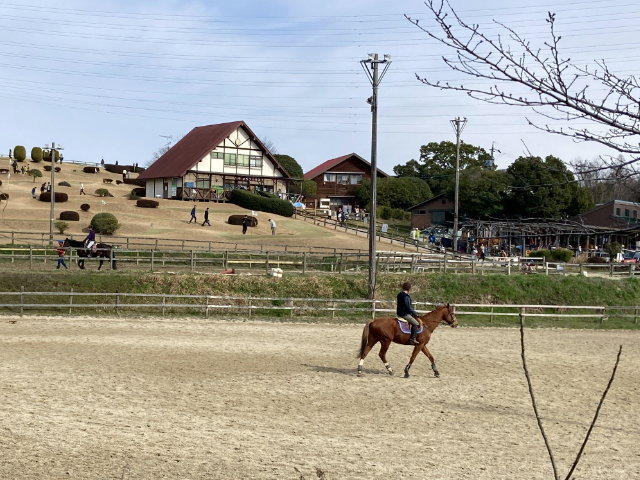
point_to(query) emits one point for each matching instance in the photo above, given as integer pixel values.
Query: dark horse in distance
(386, 330)
(100, 250)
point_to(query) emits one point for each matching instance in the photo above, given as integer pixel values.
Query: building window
(255, 161)
(356, 179)
(203, 183)
(343, 179)
(329, 177)
(626, 212)
(229, 158)
(421, 212)
(215, 155)
(243, 160)
(617, 212)
(635, 214)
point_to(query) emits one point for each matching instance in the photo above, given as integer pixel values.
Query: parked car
(631, 257)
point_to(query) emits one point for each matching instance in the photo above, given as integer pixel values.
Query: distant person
(206, 217)
(33, 192)
(102, 162)
(60, 251)
(273, 226)
(10, 157)
(48, 186)
(245, 224)
(22, 170)
(15, 166)
(193, 215)
(43, 187)
(124, 175)
(82, 189)
(404, 310)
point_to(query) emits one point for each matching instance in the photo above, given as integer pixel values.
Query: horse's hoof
(390, 372)
(406, 375)
(437, 375)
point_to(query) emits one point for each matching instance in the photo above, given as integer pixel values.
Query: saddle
(405, 327)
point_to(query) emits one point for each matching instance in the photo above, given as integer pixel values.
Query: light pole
(370, 66)
(458, 126)
(53, 196)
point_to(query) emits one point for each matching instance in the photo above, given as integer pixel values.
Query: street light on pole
(370, 66)
(53, 196)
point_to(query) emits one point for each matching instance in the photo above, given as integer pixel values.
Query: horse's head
(450, 316)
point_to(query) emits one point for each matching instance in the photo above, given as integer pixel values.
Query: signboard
(384, 228)
(189, 184)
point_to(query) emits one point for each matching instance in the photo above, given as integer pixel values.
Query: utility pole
(458, 126)
(370, 66)
(53, 194)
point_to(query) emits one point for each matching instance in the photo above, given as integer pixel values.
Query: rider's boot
(414, 333)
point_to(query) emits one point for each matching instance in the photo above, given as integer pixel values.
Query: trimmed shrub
(546, 254)
(612, 248)
(60, 197)
(386, 213)
(252, 201)
(61, 226)
(91, 169)
(237, 220)
(85, 207)
(562, 255)
(397, 214)
(36, 154)
(135, 181)
(140, 192)
(266, 194)
(105, 223)
(19, 153)
(118, 182)
(46, 155)
(47, 168)
(71, 216)
(110, 167)
(64, 184)
(4, 196)
(102, 192)
(146, 203)
(0, 183)
(596, 260)
(35, 173)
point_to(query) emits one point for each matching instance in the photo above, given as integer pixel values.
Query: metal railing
(207, 305)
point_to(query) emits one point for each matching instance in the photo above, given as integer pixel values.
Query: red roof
(194, 146)
(323, 167)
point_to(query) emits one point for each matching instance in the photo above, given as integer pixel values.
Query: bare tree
(267, 142)
(522, 75)
(164, 149)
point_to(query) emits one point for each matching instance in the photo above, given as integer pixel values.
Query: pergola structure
(538, 233)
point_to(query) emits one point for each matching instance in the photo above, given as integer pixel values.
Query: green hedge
(19, 153)
(253, 201)
(36, 154)
(558, 254)
(105, 223)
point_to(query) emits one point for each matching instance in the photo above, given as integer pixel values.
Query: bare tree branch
(593, 423)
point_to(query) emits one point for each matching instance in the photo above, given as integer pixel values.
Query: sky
(114, 81)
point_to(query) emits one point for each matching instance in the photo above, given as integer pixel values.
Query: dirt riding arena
(192, 399)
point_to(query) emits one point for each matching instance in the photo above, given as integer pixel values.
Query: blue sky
(109, 81)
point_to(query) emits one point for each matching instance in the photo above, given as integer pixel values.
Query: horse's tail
(365, 339)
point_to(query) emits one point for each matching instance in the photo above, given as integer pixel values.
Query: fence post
(13, 240)
(156, 243)
(631, 269)
(249, 306)
(603, 318)
(340, 265)
(31, 257)
(304, 262)
(111, 260)
(192, 260)
(117, 303)
(267, 262)
(473, 267)
(611, 270)
(127, 243)
(445, 263)
(291, 311)
(164, 303)
(70, 299)
(21, 297)
(373, 309)
(509, 267)
(206, 312)
(636, 319)
(42, 240)
(491, 317)
(152, 255)
(225, 257)
(546, 267)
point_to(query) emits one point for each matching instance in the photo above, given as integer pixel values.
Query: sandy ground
(169, 220)
(191, 399)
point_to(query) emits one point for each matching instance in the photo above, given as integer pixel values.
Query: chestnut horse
(386, 330)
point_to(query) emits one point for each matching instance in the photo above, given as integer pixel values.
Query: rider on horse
(405, 311)
(91, 238)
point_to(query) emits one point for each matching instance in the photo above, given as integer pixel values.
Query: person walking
(273, 226)
(10, 156)
(43, 187)
(245, 224)
(206, 217)
(193, 215)
(60, 251)
(124, 175)
(48, 186)
(82, 189)
(33, 192)
(22, 170)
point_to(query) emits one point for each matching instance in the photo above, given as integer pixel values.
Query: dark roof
(323, 167)
(426, 201)
(194, 146)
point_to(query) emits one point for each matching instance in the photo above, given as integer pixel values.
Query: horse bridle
(452, 314)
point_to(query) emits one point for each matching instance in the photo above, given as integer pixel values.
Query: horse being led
(386, 330)
(101, 250)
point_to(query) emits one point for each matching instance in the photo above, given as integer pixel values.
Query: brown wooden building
(435, 211)
(337, 180)
(614, 214)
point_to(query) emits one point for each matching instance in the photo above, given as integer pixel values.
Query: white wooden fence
(67, 302)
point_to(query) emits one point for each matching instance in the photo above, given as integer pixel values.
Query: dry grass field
(193, 399)
(169, 220)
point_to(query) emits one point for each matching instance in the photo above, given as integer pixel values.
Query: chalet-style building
(211, 161)
(613, 214)
(337, 180)
(435, 211)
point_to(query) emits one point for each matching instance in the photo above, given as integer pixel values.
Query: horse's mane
(74, 243)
